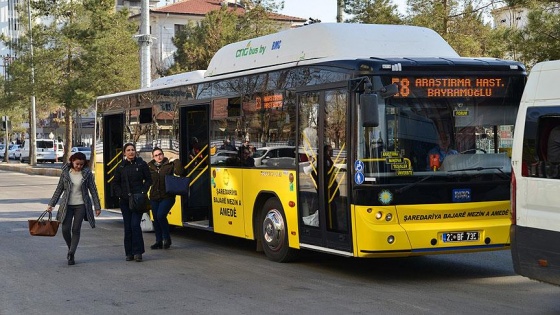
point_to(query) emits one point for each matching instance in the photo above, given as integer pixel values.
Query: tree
(197, 43)
(460, 22)
(86, 50)
(539, 40)
(434, 14)
(372, 12)
(468, 34)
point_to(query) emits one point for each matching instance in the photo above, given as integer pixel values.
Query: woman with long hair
(77, 183)
(160, 200)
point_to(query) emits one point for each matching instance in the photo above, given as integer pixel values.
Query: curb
(28, 169)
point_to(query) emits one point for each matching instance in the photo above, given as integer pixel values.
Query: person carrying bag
(132, 181)
(161, 200)
(75, 185)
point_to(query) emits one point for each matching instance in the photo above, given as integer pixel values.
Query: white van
(535, 189)
(47, 151)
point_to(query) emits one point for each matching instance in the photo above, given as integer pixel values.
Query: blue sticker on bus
(461, 195)
(359, 166)
(359, 178)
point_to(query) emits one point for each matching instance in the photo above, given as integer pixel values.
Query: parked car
(221, 156)
(85, 150)
(14, 151)
(265, 153)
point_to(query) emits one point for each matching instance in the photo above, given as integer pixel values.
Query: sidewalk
(47, 169)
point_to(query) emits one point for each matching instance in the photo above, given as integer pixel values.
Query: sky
(324, 10)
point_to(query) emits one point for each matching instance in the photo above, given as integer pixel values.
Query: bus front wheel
(273, 232)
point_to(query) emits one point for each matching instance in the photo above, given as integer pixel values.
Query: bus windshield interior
(439, 137)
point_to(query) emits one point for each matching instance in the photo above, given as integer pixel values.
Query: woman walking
(75, 182)
(161, 201)
(131, 177)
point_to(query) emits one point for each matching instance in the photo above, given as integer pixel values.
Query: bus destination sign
(438, 87)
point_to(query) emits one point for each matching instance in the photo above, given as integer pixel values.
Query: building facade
(166, 21)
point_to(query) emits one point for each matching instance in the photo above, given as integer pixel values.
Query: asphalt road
(205, 273)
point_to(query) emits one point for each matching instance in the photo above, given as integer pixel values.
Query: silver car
(263, 154)
(221, 156)
(84, 150)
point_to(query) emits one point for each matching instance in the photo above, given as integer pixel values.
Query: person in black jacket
(131, 177)
(160, 200)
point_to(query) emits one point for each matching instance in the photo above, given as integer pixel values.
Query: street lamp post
(145, 41)
(33, 120)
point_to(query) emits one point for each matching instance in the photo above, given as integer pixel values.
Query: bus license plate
(460, 237)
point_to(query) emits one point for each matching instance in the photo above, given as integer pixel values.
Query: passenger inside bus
(437, 154)
(195, 150)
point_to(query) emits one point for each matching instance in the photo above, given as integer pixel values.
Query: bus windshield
(424, 133)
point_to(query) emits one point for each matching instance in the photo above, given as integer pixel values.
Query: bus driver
(438, 153)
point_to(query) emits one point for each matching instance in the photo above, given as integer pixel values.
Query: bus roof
(329, 41)
(186, 77)
(169, 81)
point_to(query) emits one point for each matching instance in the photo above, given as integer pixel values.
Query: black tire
(273, 232)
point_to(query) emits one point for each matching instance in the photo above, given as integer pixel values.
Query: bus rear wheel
(273, 232)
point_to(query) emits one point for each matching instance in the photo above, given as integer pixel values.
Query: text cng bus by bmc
(363, 108)
(535, 229)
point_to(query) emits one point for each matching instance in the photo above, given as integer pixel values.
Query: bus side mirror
(369, 110)
(389, 90)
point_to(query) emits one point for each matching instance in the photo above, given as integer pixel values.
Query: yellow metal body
(175, 216)
(419, 229)
(237, 193)
(100, 181)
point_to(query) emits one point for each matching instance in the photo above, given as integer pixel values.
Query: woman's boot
(166, 243)
(157, 245)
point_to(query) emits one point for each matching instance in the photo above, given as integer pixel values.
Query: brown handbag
(43, 226)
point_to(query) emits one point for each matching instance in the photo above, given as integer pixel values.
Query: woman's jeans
(71, 231)
(133, 240)
(160, 210)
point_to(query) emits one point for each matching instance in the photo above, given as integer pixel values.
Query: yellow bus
(345, 121)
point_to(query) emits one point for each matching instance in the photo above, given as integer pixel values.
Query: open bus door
(323, 180)
(195, 156)
(112, 155)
